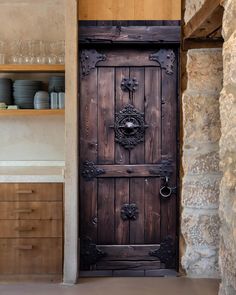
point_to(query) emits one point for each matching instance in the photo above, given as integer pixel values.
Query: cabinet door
(31, 192)
(31, 210)
(30, 256)
(30, 228)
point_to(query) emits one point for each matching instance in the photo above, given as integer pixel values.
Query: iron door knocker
(166, 191)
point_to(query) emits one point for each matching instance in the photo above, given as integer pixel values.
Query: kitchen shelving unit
(25, 68)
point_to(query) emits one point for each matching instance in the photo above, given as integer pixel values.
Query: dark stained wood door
(128, 153)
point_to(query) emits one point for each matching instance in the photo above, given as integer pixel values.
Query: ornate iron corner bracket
(166, 58)
(129, 127)
(166, 252)
(89, 60)
(89, 252)
(89, 171)
(129, 212)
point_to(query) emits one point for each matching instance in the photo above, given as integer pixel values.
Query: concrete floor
(118, 286)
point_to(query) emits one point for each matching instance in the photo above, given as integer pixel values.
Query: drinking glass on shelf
(61, 51)
(42, 57)
(31, 51)
(2, 52)
(52, 58)
(16, 52)
(2, 58)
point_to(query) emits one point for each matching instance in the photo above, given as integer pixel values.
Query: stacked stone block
(227, 210)
(191, 7)
(200, 187)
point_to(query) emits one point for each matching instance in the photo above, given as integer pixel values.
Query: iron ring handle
(165, 195)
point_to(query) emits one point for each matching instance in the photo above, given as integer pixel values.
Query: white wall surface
(31, 138)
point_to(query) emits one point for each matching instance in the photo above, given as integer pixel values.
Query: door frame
(159, 35)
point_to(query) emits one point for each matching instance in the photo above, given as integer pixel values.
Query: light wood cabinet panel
(31, 210)
(30, 228)
(30, 256)
(31, 235)
(31, 192)
(129, 10)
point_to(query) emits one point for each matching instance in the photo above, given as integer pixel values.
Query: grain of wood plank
(31, 210)
(137, 197)
(169, 149)
(132, 34)
(137, 154)
(122, 99)
(31, 228)
(106, 146)
(31, 256)
(121, 198)
(106, 214)
(131, 10)
(88, 152)
(10, 192)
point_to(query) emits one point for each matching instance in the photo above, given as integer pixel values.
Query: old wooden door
(128, 151)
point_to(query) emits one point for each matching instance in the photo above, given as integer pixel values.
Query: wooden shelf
(206, 24)
(32, 68)
(31, 112)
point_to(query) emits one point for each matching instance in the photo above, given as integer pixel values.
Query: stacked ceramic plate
(6, 91)
(41, 100)
(24, 92)
(56, 84)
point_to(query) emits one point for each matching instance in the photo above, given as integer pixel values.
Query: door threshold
(130, 273)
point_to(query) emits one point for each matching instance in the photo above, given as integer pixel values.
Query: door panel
(125, 224)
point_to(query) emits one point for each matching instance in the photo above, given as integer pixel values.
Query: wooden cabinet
(31, 222)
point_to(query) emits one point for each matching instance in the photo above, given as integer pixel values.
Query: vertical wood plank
(137, 197)
(106, 146)
(153, 115)
(152, 226)
(106, 199)
(152, 152)
(169, 148)
(121, 198)
(122, 98)
(137, 157)
(88, 151)
(137, 153)
(121, 157)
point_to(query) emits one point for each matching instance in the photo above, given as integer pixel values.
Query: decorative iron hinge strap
(166, 252)
(90, 254)
(162, 169)
(89, 60)
(89, 171)
(166, 59)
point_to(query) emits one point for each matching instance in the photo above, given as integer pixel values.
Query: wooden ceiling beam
(205, 22)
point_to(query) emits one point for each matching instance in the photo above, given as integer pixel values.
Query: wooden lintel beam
(132, 34)
(206, 21)
(202, 43)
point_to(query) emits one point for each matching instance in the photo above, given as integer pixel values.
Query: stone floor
(115, 286)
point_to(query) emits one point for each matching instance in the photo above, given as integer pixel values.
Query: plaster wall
(32, 138)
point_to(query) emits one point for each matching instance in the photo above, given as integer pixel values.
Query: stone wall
(191, 7)
(228, 154)
(200, 187)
